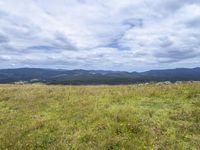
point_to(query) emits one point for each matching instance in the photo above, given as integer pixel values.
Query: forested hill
(93, 77)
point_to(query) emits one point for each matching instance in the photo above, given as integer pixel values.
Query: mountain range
(95, 77)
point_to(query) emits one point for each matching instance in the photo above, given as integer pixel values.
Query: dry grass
(100, 117)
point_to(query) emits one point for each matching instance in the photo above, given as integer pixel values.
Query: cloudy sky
(132, 35)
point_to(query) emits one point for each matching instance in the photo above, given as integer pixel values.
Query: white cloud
(100, 34)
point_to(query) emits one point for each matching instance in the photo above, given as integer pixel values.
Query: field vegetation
(157, 117)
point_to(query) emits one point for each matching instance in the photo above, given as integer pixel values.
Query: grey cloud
(194, 23)
(3, 39)
(44, 48)
(165, 42)
(170, 6)
(62, 41)
(133, 22)
(177, 55)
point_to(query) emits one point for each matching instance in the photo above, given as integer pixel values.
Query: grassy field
(157, 117)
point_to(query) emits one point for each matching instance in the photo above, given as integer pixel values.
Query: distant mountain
(180, 74)
(93, 77)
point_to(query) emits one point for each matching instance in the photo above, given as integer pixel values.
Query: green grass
(157, 117)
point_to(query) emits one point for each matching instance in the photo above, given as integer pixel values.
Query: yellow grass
(100, 117)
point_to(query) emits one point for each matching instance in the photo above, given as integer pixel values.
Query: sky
(129, 35)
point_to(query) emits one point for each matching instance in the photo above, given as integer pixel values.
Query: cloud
(93, 34)
(3, 39)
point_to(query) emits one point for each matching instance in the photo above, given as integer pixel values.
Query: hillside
(95, 77)
(100, 117)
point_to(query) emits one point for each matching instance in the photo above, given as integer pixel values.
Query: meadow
(151, 117)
